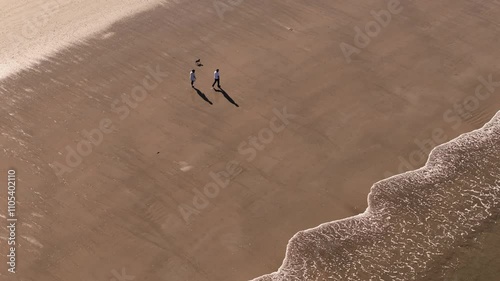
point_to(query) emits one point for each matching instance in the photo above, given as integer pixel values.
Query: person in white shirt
(193, 78)
(216, 79)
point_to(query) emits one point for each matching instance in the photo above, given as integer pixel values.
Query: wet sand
(352, 125)
(480, 258)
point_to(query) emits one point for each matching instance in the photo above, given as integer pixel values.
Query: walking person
(216, 79)
(193, 78)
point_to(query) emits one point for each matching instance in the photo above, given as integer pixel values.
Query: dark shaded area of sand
(353, 124)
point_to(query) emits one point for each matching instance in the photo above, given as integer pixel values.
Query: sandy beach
(122, 167)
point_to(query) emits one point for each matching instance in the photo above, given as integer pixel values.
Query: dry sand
(353, 122)
(33, 30)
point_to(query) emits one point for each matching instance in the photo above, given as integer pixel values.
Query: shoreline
(54, 26)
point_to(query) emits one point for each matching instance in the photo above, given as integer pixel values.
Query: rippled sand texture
(32, 30)
(415, 221)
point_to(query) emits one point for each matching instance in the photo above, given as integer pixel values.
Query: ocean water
(433, 223)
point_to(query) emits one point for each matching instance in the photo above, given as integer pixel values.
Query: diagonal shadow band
(226, 95)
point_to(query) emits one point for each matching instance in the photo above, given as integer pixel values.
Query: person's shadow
(202, 95)
(220, 90)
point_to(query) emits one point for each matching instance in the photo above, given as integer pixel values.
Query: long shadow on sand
(202, 95)
(220, 90)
